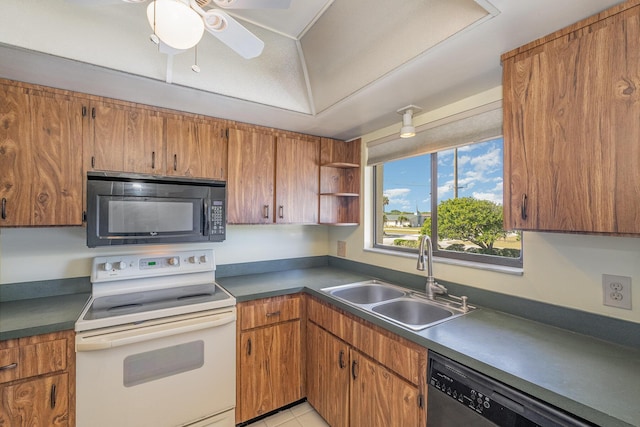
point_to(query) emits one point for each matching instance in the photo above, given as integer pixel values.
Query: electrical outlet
(616, 291)
(342, 248)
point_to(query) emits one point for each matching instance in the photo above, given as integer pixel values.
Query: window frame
(454, 255)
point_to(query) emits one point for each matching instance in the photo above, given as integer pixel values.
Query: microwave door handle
(206, 218)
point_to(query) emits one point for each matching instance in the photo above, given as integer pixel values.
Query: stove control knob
(107, 266)
(203, 259)
(121, 265)
(173, 261)
(192, 260)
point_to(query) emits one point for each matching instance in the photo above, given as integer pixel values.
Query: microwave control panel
(217, 219)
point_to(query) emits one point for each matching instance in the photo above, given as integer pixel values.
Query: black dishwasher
(459, 396)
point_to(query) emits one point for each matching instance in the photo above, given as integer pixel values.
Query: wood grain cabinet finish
(379, 375)
(571, 128)
(250, 194)
(269, 356)
(37, 381)
(123, 138)
(297, 182)
(273, 178)
(196, 147)
(40, 158)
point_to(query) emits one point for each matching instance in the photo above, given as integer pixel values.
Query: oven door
(171, 372)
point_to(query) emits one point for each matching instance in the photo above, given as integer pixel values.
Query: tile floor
(302, 415)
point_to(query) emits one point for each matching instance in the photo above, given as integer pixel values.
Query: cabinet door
(196, 148)
(251, 177)
(124, 138)
(15, 157)
(297, 180)
(570, 109)
(328, 376)
(56, 138)
(40, 402)
(379, 397)
(269, 369)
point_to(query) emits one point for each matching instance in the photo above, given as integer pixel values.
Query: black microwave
(129, 209)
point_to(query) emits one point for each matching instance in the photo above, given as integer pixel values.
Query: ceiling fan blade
(253, 4)
(232, 33)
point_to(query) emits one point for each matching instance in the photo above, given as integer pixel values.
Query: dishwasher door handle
(145, 333)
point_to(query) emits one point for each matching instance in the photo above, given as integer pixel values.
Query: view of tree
(402, 219)
(473, 220)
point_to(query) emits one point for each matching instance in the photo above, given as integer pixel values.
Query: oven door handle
(132, 336)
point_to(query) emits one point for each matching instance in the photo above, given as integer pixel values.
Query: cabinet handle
(281, 212)
(354, 369)
(249, 347)
(341, 360)
(523, 207)
(93, 113)
(93, 162)
(175, 162)
(84, 111)
(153, 160)
(4, 208)
(9, 366)
(265, 211)
(273, 313)
(52, 396)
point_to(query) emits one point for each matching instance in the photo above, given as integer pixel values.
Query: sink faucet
(432, 287)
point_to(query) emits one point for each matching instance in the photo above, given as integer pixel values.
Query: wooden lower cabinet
(363, 376)
(380, 398)
(269, 356)
(328, 362)
(37, 381)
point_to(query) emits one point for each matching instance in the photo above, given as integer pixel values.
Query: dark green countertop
(593, 379)
(35, 316)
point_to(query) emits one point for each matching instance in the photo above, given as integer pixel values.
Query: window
(455, 196)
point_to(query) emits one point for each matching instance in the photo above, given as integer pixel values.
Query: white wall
(29, 254)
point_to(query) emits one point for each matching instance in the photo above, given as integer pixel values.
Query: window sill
(515, 271)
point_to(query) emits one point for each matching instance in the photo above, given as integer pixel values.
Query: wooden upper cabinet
(297, 180)
(571, 108)
(40, 158)
(15, 157)
(123, 138)
(196, 148)
(56, 138)
(339, 182)
(251, 177)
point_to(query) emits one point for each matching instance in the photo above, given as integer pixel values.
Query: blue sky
(407, 181)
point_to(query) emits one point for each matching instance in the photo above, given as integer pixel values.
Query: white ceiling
(337, 68)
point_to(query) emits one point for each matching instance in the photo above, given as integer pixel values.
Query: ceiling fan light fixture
(175, 23)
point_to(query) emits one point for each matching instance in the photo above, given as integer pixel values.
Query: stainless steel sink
(410, 309)
(413, 313)
(368, 292)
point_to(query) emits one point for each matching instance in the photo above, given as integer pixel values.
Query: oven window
(152, 365)
(135, 216)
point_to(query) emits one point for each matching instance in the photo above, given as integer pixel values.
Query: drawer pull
(273, 313)
(354, 369)
(7, 367)
(52, 396)
(153, 160)
(175, 162)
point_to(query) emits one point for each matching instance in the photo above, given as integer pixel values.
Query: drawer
(32, 356)
(329, 319)
(269, 311)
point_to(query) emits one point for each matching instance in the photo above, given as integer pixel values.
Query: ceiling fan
(178, 25)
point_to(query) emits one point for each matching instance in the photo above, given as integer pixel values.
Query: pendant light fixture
(408, 130)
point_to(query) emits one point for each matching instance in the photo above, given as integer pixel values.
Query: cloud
(492, 197)
(398, 198)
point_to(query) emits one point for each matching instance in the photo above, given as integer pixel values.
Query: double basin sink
(409, 309)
